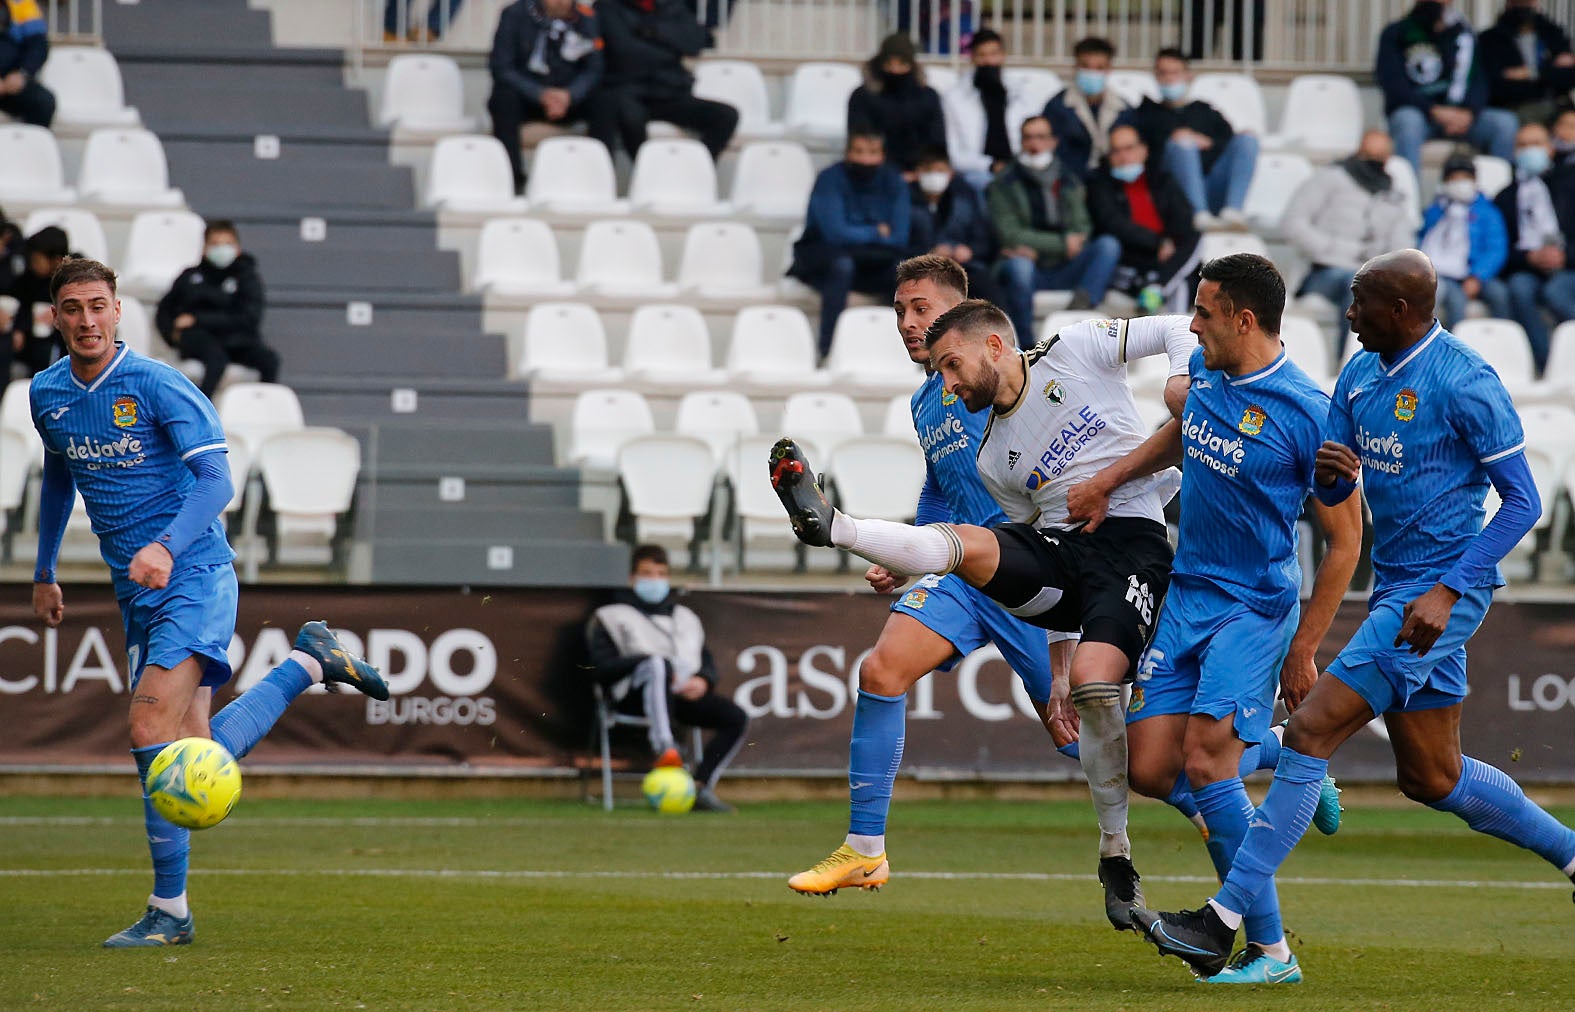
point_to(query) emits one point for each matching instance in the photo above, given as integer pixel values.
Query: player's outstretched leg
(317, 641)
(167, 920)
(1490, 802)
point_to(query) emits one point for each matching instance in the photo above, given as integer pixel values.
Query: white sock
(901, 548)
(1201, 823)
(1231, 918)
(308, 662)
(869, 846)
(1102, 750)
(175, 906)
(1569, 869)
(1278, 950)
(1278, 730)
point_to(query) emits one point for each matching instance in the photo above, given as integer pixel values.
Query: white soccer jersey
(1076, 415)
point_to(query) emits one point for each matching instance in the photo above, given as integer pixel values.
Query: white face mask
(1462, 191)
(1038, 162)
(221, 255)
(934, 183)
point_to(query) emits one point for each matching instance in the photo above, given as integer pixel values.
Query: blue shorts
(966, 619)
(1392, 679)
(193, 616)
(1214, 656)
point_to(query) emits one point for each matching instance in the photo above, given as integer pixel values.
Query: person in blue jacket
(24, 46)
(1463, 234)
(949, 219)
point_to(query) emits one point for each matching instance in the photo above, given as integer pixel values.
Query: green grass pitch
(553, 905)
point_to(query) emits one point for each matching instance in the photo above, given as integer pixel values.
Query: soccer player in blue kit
(1425, 424)
(1229, 629)
(145, 449)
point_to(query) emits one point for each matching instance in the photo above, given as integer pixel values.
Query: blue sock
(1276, 828)
(169, 844)
(1263, 756)
(1181, 799)
(242, 724)
(1490, 802)
(879, 725)
(1227, 810)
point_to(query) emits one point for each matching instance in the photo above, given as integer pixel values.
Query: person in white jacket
(984, 113)
(1345, 214)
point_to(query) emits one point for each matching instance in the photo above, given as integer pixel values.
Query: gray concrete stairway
(457, 485)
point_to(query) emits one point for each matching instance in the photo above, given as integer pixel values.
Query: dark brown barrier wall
(493, 678)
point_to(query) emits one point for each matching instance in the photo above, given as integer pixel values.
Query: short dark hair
(974, 317)
(1037, 116)
(1249, 281)
(865, 132)
(944, 271)
(984, 37)
(75, 269)
(213, 225)
(1093, 46)
(1172, 53)
(51, 241)
(930, 154)
(647, 553)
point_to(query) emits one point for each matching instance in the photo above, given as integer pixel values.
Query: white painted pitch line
(552, 873)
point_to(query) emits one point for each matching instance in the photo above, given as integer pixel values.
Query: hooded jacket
(227, 302)
(904, 110)
(1419, 68)
(1489, 243)
(532, 52)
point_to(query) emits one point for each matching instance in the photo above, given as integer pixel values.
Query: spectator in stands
(984, 113)
(24, 46)
(546, 64)
(1209, 16)
(1538, 209)
(855, 231)
(1463, 234)
(649, 653)
(26, 316)
(1528, 62)
(213, 312)
(1083, 115)
(949, 218)
(1148, 214)
(1344, 215)
(13, 256)
(1041, 218)
(645, 77)
(1432, 87)
(1564, 138)
(1194, 143)
(399, 14)
(895, 102)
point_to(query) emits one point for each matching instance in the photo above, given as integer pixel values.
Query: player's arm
(1088, 500)
(152, 564)
(55, 499)
(1342, 528)
(1336, 467)
(1061, 714)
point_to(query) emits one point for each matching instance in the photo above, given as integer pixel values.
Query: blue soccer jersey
(949, 434)
(126, 437)
(1249, 444)
(1425, 426)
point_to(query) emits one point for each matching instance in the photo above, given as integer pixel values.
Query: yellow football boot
(846, 868)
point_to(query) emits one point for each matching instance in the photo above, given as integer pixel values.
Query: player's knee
(883, 675)
(1427, 785)
(149, 726)
(1152, 780)
(1205, 767)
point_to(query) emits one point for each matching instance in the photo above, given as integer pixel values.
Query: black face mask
(1427, 13)
(861, 173)
(896, 82)
(1376, 165)
(987, 78)
(1522, 18)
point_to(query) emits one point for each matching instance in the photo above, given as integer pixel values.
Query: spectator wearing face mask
(1083, 115)
(1564, 139)
(949, 219)
(26, 318)
(1152, 219)
(1528, 62)
(1463, 234)
(1040, 213)
(984, 113)
(895, 102)
(213, 312)
(1538, 208)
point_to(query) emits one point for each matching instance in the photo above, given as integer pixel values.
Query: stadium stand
(88, 90)
(31, 170)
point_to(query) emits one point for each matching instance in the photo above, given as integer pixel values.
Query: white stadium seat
(722, 260)
(622, 258)
(741, 85)
(773, 180)
(867, 353)
(16, 464)
(423, 92)
(83, 229)
(675, 177)
(87, 86)
(668, 482)
(1561, 356)
(669, 346)
(125, 167)
(1307, 347)
(1133, 86)
(17, 417)
(255, 412)
(1503, 344)
(136, 328)
(1493, 174)
(878, 477)
(1323, 114)
(1274, 182)
(1237, 97)
(817, 102)
(773, 347)
(519, 257)
(720, 417)
(30, 168)
(1551, 429)
(1218, 244)
(899, 418)
(310, 475)
(573, 175)
(470, 173)
(603, 421)
(566, 343)
(1036, 85)
(240, 465)
(825, 419)
(1404, 176)
(161, 245)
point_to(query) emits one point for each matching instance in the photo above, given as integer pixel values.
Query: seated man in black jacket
(645, 77)
(949, 218)
(1145, 209)
(546, 63)
(1530, 67)
(26, 319)
(649, 652)
(213, 310)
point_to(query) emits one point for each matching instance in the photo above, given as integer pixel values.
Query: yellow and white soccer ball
(670, 790)
(194, 782)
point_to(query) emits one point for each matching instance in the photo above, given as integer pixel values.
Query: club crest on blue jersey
(1136, 703)
(1405, 404)
(948, 399)
(1252, 420)
(1055, 393)
(915, 599)
(125, 412)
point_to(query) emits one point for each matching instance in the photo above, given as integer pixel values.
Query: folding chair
(608, 716)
